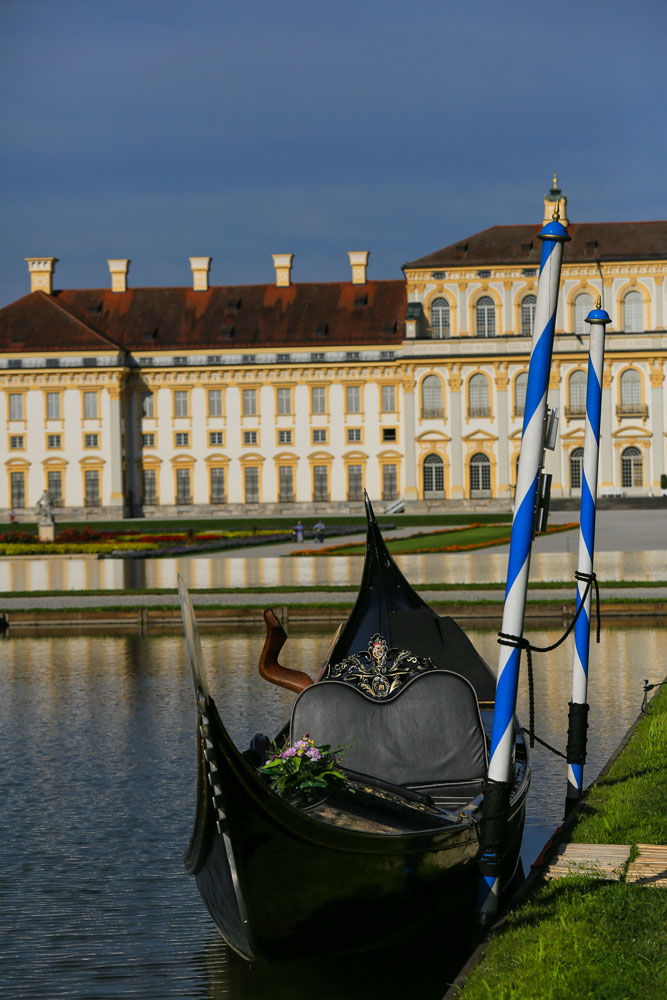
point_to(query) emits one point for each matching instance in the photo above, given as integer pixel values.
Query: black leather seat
(429, 733)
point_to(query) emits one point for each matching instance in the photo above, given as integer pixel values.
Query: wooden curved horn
(269, 668)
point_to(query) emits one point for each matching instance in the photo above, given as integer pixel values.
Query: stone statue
(45, 509)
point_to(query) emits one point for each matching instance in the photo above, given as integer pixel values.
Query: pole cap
(598, 315)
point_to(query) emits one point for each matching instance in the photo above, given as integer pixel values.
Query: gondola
(393, 854)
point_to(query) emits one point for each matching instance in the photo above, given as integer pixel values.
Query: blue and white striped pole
(578, 715)
(499, 783)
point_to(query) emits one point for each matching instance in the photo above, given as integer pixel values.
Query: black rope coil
(495, 811)
(577, 727)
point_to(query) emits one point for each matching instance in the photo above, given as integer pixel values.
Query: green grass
(629, 804)
(150, 526)
(582, 937)
(579, 938)
(479, 536)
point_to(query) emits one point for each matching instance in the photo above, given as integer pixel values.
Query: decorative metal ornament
(379, 672)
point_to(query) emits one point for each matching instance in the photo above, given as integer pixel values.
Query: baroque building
(215, 398)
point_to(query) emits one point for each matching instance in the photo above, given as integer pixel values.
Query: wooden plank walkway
(608, 861)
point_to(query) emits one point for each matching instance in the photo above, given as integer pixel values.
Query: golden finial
(555, 180)
(598, 304)
(556, 215)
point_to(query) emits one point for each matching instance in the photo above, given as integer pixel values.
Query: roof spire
(555, 204)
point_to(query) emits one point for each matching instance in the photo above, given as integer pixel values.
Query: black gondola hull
(280, 884)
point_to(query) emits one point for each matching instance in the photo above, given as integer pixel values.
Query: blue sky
(157, 130)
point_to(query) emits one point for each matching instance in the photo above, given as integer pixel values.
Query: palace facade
(213, 399)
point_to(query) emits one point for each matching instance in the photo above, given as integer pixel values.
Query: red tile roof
(591, 241)
(247, 317)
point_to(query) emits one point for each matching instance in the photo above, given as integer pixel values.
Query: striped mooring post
(578, 709)
(498, 787)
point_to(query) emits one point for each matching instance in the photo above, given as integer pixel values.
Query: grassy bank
(580, 936)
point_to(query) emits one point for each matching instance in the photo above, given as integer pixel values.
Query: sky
(157, 130)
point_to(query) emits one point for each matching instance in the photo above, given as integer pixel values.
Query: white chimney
(200, 268)
(41, 273)
(359, 263)
(118, 269)
(283, 265)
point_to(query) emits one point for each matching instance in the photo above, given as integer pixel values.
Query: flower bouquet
(303, 770)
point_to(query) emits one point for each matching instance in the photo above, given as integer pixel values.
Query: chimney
(359, 263)
(118, 269)
(200, 268)
(283, 265)
(41, 273)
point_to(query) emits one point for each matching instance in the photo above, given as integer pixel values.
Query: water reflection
(97, 753)
(215, 572)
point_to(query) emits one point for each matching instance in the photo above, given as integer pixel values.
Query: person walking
(318, 528)
(298, 532)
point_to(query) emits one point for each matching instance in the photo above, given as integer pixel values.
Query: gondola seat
(428, 735)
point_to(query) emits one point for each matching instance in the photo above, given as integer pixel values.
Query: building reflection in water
(223, 571)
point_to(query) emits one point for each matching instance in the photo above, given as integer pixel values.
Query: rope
(649, 687)
(520, 642)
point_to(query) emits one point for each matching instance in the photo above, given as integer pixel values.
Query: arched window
(633, 313)
(577, 394)
(631, 392)
(486, 317)
(527, 315)
(480, 475)
(632, 467)
(582, 306)
(576, 468)
(440, 318)
(434, 477)
(478, 396)
(431, 397)
(520, 386)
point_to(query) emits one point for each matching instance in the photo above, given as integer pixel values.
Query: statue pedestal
(47, 532)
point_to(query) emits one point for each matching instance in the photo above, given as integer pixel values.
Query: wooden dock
(610, 862)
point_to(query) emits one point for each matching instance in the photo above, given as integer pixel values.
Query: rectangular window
(54, 441)
(389, 482)
(353, 435)
(90, 405)
(284, 437)
(318, 399)
(91, 440)
(285, 484)
(18, 489)
(92, 487)
(353, 398)
(148, 440)
(147, 404)
(182, 439)
(284, 401)
(251, 482)
(217, 485)
(215, 439)
(388, 398)
(16, 406)
(320, 436)
(317, 356)
(183, 486)
(250, 402)
(149, 486)
(54, 485)
(53, 406)
(16, 442)
(388, 433)
(180, 403)
(215, 402)
(250, 437)
(320, 482)
(354, 482)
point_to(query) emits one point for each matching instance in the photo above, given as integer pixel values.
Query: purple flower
(314, 754)
(290, 752)
(301, 744)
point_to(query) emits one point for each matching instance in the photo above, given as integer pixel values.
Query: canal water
(97, 787)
